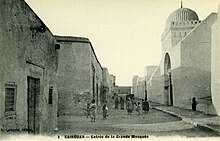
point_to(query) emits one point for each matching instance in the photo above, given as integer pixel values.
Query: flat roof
(77, 40)
(71, 39)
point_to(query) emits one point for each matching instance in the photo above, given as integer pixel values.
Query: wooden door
(33, 101)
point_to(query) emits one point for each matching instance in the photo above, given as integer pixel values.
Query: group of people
(130, 106)
(91, 110)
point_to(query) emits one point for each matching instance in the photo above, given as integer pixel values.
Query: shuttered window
(10, 98)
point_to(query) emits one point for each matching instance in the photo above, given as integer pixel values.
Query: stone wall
(98, 76)
(107, 86)
(76, 66)
(27, 49)
(155, 87)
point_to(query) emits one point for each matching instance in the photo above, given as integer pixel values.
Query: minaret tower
(178, 24)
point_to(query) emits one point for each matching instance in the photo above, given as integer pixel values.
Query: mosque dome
(182, 14)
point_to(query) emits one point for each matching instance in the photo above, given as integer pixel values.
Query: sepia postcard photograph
(109, 70)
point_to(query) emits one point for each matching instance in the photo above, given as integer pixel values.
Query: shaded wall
(26, 51)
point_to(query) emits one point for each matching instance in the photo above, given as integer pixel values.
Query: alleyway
(155, 123)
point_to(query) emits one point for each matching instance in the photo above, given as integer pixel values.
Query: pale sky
(125, 34)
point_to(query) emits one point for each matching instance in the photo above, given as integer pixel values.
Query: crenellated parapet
(179, 25)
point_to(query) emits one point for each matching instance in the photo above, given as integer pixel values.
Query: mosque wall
(215, 68)
(192, 79)
(190, 61)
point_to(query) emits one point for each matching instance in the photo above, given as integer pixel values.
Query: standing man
(194, 103)
(146, 106)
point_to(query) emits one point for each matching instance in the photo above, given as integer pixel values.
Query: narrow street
(155, 123)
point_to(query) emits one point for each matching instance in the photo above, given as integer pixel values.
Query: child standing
(138, 108)
(88, 109)
(105, 111)
(93, 109)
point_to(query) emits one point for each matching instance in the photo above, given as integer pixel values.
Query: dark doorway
(171, 94)
(168, 85)
(33, 101)
(93, 82)
(97, 93)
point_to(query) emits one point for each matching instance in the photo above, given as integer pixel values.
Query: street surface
(155, 123)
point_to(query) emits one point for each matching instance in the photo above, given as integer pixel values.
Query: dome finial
(181, 4)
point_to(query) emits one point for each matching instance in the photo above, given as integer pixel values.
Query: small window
(10, 99)
(50, 101)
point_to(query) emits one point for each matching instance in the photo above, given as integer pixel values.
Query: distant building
(79, 74)
(215, 67)
(154, 87)
(113, 79)
(28, 71)
(185, 69)
(140, 88)
(108, 83)
(134, 85)
(123, 90)
(148, 71)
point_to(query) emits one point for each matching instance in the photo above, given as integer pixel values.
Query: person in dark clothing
(194, 103)
(116, 103)
(122, 103)
(146, 106)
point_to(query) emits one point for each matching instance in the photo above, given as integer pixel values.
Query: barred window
(10, 98)
(50, 101)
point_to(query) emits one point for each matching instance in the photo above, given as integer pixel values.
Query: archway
(168, 87)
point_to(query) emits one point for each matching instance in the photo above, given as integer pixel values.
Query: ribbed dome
(182, 14)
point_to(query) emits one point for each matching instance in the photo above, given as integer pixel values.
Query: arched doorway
(168, 87)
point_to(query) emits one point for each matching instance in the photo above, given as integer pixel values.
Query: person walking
(93, 110)
(194, 104)
(129, 106)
